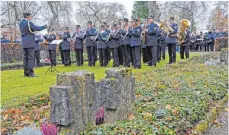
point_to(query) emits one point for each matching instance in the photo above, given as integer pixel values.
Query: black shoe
(33, 75)
(149, 64)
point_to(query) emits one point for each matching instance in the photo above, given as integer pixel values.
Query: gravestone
(76, 98)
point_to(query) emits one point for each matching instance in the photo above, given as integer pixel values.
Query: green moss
(202, 126)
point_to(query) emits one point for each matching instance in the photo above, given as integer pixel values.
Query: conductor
(27, 30)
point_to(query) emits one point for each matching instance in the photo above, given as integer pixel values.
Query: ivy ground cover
(173, 99)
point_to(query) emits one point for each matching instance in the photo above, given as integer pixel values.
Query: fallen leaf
(131, 117)
(215, 122)
(226, 109)
(3, 130)
(6, 117)
(168, 107)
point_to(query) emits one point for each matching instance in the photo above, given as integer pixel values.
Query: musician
(198, 41)
(151, 40)
(171, 40)
(192, 40)
(120, 56)
(102, 47)
(185, 46)
(159, 50)
(90, 44)
(27, 30)
(145, 51)
(38, 39)
(125, 46)
(114, 44)
(108, 54)
(135, 42)
(210, 40)
(65, 46)
(51, 47)
(163, 44)
(78, 38)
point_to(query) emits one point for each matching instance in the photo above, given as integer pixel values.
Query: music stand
(52, 68)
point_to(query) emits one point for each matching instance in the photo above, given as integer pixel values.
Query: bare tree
(191, 10)
(154, 10)
(99, 12)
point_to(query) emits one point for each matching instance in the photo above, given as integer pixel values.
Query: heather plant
(49, 129)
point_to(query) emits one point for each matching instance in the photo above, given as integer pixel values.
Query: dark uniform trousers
(79, 57)
(66, 57)
(126, 55)
(115, 57)
(207, 47)
(153, 54)
(136, 53)
(91, 55)
(103, 57)
(62, 55)
(145, 55)
(120, 56)
(163, 49)
(184, 50)
(172, 52)
(37, 57)
(211, 45)
(28, 61)
(52, 56)
(158, 52)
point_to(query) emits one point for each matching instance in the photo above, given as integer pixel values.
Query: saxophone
(184, 24)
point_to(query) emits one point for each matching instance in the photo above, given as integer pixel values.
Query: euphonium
(182, 30)
(165, 27)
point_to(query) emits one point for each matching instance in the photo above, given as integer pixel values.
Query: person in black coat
(51, 47)
(78, 38)
(102, 38)
(125, 45)
(185, 46)
(136, 42)
(114, 44)
(37, 50)
(65, 46)
(151, 40)
(91, 33)
(27, 29)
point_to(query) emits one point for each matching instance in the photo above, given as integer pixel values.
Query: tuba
(165, 27)
(184, 24)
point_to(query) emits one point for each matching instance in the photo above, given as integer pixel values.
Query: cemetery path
(221, 126)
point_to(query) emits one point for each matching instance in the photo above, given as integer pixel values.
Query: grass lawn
(16, 88)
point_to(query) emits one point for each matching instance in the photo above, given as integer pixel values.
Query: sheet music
(56, 41)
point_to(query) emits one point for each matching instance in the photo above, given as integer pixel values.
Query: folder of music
(56, 42)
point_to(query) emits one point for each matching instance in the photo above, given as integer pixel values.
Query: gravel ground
(221, 126)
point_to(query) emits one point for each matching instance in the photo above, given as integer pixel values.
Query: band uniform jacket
(28, 38)
(115, 39)
(50, 38)
(108, 42)
(78, 39)
(89, 34)
(102, 38)
(65, 45)
(151, 35)
(125, 37)
(37, 40)
(170, 38)
(135, 36)
(209, 38)
(187, 41)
